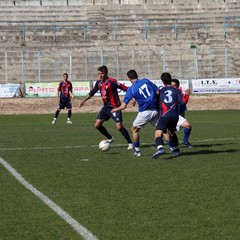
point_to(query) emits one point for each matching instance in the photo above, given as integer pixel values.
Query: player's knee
(187, 124)
(134, 129)
(119, 126)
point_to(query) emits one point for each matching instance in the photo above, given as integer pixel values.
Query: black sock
(69, 113)
(57, 113)
(174, 139)
(159, 141)
(104, 132)
(125, 134)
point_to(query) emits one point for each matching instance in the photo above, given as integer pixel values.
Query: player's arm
(59, 91)
(122, 86)
(91, 94)
(186, 95)
(84, 100)
(71, 92)
(121, 107)
(71, 95)
(127, 98)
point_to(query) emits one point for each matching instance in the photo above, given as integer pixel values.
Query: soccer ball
(104, 145)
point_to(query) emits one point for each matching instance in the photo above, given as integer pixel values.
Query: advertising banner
(50, 89)
(184, 84)
(9, 90)
(221, 85)
(81, 89)
(34, 90)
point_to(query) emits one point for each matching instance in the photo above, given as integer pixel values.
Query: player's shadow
(207, 152)
(206, 145)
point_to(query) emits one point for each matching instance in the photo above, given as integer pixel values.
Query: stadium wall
(104, 2)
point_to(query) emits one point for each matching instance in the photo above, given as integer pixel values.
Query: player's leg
(124, 133)
(173, 141)
(56, 114)
(140, 121)
(187, 131)
(117, 117)
(99, 126)
(61, 106)
(136, 140)
(160, 129)
(69, 112)
(101, 118)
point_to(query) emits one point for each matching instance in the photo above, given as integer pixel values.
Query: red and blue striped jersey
(65, 88)
(109, 91)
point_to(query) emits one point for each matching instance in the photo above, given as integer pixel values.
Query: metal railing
(231, 25)
(113, 29)
(48, 66)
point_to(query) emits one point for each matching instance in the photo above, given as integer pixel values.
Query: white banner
(220, 85)
(184, 84)
(9, 90)
(50, 89)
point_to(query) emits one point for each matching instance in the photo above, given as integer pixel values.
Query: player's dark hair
(166, 78)
(176, 81)
(65, 74)
(103, 69)
(132, 74)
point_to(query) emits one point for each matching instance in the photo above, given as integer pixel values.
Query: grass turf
(114, 194)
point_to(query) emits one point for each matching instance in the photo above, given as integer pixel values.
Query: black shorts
(65, 104)
(165, 123)
(105, 114)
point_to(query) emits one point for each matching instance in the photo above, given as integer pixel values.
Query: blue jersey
(170, 99)
(144, 92)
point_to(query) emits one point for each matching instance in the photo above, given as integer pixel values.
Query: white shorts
(181, 120)
(145, 117)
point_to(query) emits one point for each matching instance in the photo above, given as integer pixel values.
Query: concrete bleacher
(115, 22)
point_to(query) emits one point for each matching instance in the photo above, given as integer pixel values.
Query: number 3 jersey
(170, 99)
(144, 92)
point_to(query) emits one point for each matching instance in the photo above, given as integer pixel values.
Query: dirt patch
(48, 105)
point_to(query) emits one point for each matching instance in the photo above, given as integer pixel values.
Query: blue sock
(136, 144)
(187, 132)
(170, 144)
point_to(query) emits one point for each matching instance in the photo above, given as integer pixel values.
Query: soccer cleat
(130, 146)
(54, 121)
(176, 153)
(137, 153)
(111, 140)
(69, 121)
(159, 152)
(187, 144)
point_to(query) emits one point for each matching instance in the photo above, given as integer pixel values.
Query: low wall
(102, 2)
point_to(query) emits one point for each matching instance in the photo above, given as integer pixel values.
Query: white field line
(81, 230)
(116, 145)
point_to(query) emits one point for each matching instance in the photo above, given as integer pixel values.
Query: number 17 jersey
(144, 92)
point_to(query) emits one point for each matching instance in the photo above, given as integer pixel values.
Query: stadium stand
(44, 25)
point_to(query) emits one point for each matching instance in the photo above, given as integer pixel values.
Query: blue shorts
(165, 123)
(105, 114)
(65, 104)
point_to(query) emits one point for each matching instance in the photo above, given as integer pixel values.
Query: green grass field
(113, 194)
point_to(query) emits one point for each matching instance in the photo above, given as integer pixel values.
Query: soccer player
(145, 93)
(108, 88)
(64, 98)
(182, 121)
(170, 97)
